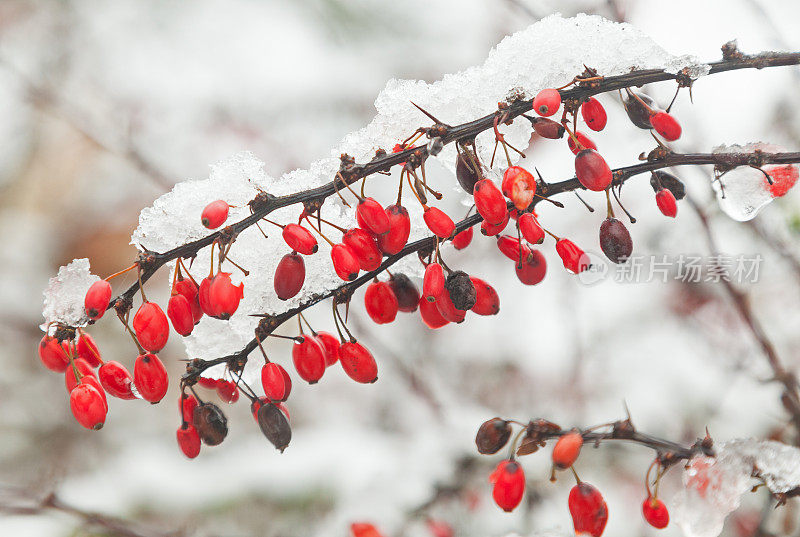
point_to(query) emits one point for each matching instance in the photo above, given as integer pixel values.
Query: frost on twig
(63, 298)
(713, 486)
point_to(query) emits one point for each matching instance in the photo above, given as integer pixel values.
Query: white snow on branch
(63, 298)
(713, 486)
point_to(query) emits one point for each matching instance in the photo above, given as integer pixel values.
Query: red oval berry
(331, 344)
(87, 349)
(519, 186)
(592, 170)
(547, 102)
(490, 230)
(448, 310)
(290, 274)
(594, 114)
(180, 313)
(463, 239)
(150, 377)
(588, 509)
(223, 296)
(438, 222)
(215, 214)
(487, 301)
(202, 297)
(188, 404)
(308, 356)
(666, 203)
(530, 228)
(532, 269)
(372, 217)
(399, 230)
(116, 380)
(345, 262)
(584, 142)
(615, 240)
(91, 380)
(406, 292)
(666, 125)
(189, 289)
(783, 179)
(358, 362)
(276, 382)
(54, 355)
(97, 298)
(567, 449)
(433, 282)
(489, 201)
(207, 382)
(363, 245)
(430, 314)
(228, 391)
(573, 257)
(655, 512)
(509, 485)
(151, 326)
(380, 302)
(300, 239)
(512, 248)
(188, 440)
(83, 368)
(547, 128)
(364, 529)
(88, 406)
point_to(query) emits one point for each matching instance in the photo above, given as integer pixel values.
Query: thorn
(431, 116)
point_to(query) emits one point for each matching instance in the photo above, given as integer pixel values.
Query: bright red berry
(406, 292)
(666, 125)
(188, 288)
(583, 141)
(380, 302)
(655, 512)
(276, 382)
(364, 529)
(188, 404)
(88, 406)
(363, 245)
(489, 201)
(151, 326)
(399, 230)
(438, 222)
(665, 200)
(509, 485)
(512, 248)
(345, 262)
(592, 170)
(202, 296)
(567, 449)
(228, 391)
(224, 296)
(594, 114)
(463, 239)
(54, 355)
(179, 312)
(430, 314)
(547, 102)
(150, 377)
(188, 440)
(487, 301)
(588, 509)
(207, 382)
(300, 239)
(783, 179)
(308, 355)
(97, 298)
(215, 214)
(448, 310)
(530, 228)
(490, 230)
(87, 349)
(331, 344)
(433, 282)
(83, 368)
(574, 258)
(519, 186)
(358, 362)
(290, 274)
(532, 269)
(116, 380)
(372, 217)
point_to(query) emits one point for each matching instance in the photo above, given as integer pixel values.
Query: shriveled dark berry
(211, 424)
(668, 181)
(461, 290)
(615, 241)
(406, 292)
(638, 113)
(492, 436)
(274, 425)
(466, 171)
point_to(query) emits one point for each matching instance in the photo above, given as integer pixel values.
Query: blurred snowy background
(106, 106)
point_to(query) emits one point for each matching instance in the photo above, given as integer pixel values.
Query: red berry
(666, 125)
(547, 128)
(300, 239)
(358, 362)
(489, 201)
(588, 509)
(530, 228)
(547, 102)
(84, 369)
(215, 214)
(430, 314)
(584, 141)
(512, 248)
(223, 296)
(91, 380)
(87, 349)
(290, 275)
(406, 292)
(380, 302)
(276, 382)
(655, 512)
(202, 297)
(54, 355)
(228, 391)
(151, 326)
(519, 186)
(331, 344)
(666, 203)
(88, 406)
(448, 310)
(433, 282)
(116, 380)
(399, 230)
(509, 485)
(487, 302)
(463, 239)
(97, 298)
(208, 383)
(783, 179)
(150, 377)
(372, 217)
(592, 170)
(188, 440)
(189, 289)
(594, 114)
(345, 262)
(188, 404)
(308, 356)
(440, 528)
(364, 529)
(573, 257)
(533, 268)
(567, 449)
(490, 230)
(179, 312)
(363, 245)
(438, 222)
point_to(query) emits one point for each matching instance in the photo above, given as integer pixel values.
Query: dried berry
(638, 113)
(461, 290)
(211, 424)
(406, 292)
(660, 179)
(492, 435)
(467, 172)
(547, 128)
(615, 241)
(275, 426)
